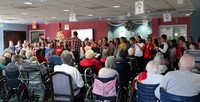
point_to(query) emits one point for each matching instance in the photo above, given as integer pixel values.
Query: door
(14, 36)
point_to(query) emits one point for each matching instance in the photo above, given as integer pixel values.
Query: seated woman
(159, 58)
(90, 61)
(151, 76)
(2, 63)
(123, 67)
(109, 70)
(40, 57)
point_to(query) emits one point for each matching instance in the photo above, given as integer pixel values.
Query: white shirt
(138, 51)
(153, 79)
(164, 49)
(180, 82)
(77, 80)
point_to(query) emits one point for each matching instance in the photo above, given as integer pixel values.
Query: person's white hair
(33, 59)
(152, 67)
(159, 58)
(110, 62)
(131, 51)
(2, 60)
(8, 55)
(187, 62)
(86, 48)
(28, 54)
(7, 50)
(89, 54)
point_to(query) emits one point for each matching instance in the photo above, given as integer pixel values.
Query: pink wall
(156, 22)
(100, 28)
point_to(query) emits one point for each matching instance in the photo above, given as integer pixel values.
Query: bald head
(186, 62)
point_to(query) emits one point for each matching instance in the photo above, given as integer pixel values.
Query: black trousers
(77, 56)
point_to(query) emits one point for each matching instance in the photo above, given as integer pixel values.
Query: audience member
(67, 68)
(181, 82)
(2, 63)
(89, 60)
(55, 59)
(109, 70)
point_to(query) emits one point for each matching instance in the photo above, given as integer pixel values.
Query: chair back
(62, 89)
(145, 92)
(124, 70)
(82, 69)
(12, 80)
(167, 97)
(105, 88)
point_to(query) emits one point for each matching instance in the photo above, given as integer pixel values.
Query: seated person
(181, 82)
(28, 55)
(90, 61)
(40, 57)
(8, 58)
(109, 70)
(2, 63)
(12, 68)
(55, 59)
(123, 67)
(159, 58)
(22, 53)
(33, 59)
(67, 60)
(152, 76)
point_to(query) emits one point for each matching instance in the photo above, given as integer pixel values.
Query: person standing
(75, 46)
(163, 47)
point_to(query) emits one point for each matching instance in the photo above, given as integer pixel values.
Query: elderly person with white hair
(182, 82)
(90, 61)
(109, 70)
(159, 58)
(152, 76)
(67, 60)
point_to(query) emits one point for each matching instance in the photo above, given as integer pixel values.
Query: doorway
(14, 36)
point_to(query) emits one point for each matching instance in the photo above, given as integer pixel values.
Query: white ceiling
(11, 10)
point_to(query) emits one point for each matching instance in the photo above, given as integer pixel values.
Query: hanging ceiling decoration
(129, 25)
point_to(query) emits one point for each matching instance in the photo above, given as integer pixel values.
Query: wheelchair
(167, 97)
(113, 93)
(144, 93)
(31, 76)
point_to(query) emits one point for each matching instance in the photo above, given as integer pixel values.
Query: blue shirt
(55, 60)
(47, 52)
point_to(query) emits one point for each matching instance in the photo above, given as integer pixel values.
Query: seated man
(55, 59)
(182, 82)
(67, 60)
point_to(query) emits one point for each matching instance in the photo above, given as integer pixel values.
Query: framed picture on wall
(36, 35)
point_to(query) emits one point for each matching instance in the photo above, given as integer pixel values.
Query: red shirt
(41, 58)
(89, 62)
(148, 50)
(58, 50)
(179, 51)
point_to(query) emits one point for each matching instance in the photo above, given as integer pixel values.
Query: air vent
(96, 7)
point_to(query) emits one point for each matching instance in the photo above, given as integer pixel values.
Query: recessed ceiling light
(187, 14)
(90, 15)
(53, 17)
(116, 6)
(24, 13)
(28, 3)
(66, 10)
